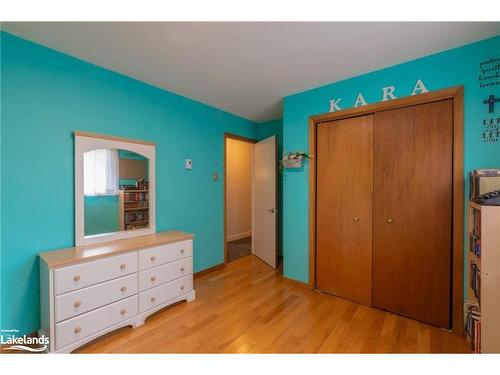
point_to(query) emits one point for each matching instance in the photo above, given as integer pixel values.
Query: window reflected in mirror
(116, 191)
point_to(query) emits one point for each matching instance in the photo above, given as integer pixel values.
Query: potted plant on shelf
(293, 159)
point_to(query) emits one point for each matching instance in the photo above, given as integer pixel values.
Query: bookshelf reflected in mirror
(133, 209)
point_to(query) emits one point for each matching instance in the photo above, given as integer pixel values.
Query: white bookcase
(483, 281)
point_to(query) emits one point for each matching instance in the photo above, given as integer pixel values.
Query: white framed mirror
(114, 188)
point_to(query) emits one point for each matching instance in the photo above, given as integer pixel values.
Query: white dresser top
(78, 254)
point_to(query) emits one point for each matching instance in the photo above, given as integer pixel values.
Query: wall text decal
(491, 130)
(489, 72)
(388, 93)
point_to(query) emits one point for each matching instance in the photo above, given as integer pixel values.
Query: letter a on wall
(360, 100)
(419, 88)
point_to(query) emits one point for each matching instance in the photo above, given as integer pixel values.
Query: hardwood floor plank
(247, 307)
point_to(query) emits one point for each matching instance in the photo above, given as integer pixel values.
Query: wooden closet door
(412, 221)
(344, 208)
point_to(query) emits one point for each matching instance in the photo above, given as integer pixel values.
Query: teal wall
(460, 66)
(46, 95)
(100, 214)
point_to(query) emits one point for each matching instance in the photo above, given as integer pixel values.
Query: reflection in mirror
(115, 191)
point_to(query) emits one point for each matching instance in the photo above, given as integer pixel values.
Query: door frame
(456, 94)
(237, 138)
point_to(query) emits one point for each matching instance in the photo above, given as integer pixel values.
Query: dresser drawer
(79, 276)
(87, 324)
(81, 301)
(162, 274)
(157, 256)
(161, 294)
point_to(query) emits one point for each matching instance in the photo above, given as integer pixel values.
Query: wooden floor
(247, 307)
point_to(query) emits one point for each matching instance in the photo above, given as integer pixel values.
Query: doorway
(238, 183)
(250, 204)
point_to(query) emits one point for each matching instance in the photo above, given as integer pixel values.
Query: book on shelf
(475, 233)
(135, 196)
(136, 216)
(476, 348)
(475, 245)
(473, 327)
(475, 279)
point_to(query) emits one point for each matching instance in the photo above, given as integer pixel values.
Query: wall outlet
(188, 164)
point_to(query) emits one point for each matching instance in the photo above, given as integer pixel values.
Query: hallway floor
(239, 249)
(247, 307)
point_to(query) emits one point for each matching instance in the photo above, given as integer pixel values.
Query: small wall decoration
(491, 103)
(293, 159)
(388, 93)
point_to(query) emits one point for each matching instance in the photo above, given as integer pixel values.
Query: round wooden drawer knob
(122, 266)
(182, 287)
(77, 330)
(153, 259)
(77, 304)
(182, 269)
(123, 312)
(153, 279)
(123, 288)
(182, 251)
(76, 278)
(153, 299)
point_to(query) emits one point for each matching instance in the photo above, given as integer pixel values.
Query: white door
(264, 201)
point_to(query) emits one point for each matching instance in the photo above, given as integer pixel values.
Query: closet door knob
(123, 288)
(153, 299)
(356, 219)
(153, 278)
(153, 258)
(77, 330)
(76, 278)
(390, 221)
(122, 266)
(123, 312)
(77, 304)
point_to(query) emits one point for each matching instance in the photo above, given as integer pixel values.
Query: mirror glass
(116, 191)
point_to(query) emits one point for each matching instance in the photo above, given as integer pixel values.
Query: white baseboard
(238, 236)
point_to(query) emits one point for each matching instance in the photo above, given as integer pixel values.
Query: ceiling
(246, 68)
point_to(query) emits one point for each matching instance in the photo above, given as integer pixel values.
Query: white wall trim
(237, 236)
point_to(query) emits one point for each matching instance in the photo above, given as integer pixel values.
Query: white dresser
(88, 291)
